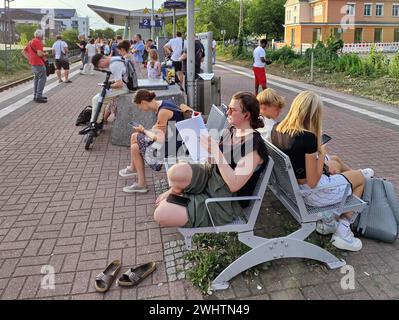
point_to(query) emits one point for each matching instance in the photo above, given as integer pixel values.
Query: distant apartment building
(54, 20)
(308, 21)
(6, 29)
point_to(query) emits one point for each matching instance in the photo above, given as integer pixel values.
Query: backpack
(200, 53)
(380, 219)
(84, 116)
(131, 83)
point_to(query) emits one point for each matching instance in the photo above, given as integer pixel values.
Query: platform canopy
(119, 17)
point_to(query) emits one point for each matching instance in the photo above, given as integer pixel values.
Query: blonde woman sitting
(299, 137)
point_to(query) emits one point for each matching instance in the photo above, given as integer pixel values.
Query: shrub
(284, 55)
(394, 66)
(299, 63)
(350, 64)
(213, 254)
(378, 61)
(18, 61)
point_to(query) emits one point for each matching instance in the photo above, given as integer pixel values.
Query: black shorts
(177, 65)
(64, 64)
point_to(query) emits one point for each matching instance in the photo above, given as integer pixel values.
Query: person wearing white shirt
(271, 105)
(91, 51)
(176, 47)
(259, 66)
(60, 53)
(214, 51)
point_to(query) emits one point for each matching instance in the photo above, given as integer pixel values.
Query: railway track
(21, 81)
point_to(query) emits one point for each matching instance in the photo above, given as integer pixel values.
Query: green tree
(120, 32)
(266, 17)
(70, 36)
(109, 33)
(213, 15)
(26, 29)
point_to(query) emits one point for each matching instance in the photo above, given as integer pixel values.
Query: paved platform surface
(63, 206)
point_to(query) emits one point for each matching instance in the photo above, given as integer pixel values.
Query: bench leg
(273, 249)
(249, 239)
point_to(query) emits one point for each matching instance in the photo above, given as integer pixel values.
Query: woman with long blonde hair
(299, 137)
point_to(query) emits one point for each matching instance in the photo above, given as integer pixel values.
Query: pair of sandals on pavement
(130, 278)
(134, 188)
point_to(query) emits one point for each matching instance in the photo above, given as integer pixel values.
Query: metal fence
(386, 47)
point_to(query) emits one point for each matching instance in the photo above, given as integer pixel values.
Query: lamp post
(190, 52)
(8, 35)
(152, 21)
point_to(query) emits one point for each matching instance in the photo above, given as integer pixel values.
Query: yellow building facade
(366, 21)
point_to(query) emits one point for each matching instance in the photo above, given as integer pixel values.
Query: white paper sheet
(190, 131)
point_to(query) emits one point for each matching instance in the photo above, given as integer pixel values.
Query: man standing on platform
(138, 51)
(259, 66)
(176, 46)
(36, 56)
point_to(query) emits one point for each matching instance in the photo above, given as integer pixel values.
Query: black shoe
(44, 98)
(41, 100)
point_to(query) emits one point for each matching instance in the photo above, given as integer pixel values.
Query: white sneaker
(135, 188)
(346, 241)
(368, 172)
(127, 172)
(324, 228)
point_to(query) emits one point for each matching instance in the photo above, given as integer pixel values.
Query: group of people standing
(143, 55)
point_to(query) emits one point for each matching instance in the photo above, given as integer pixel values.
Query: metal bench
(284, 186)
(244, 228)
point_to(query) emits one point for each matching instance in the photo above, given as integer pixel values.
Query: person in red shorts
(259, 66)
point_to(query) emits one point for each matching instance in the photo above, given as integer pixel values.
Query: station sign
(174, 5)
(146, 23)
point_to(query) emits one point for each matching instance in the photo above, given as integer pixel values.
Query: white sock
(343, 227)
(329, 219)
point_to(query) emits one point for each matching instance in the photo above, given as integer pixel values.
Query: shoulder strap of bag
(392, 199)
(367, 197)
(35, 51)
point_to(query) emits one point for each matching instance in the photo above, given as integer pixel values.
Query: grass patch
(214, 252)
(356, 80)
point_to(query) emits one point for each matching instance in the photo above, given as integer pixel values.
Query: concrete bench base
(127, 111)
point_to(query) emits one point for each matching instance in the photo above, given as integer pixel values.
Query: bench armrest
(225, 199)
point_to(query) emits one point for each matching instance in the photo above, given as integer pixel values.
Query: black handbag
(50, 67)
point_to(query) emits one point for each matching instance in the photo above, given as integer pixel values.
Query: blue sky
(96, 22)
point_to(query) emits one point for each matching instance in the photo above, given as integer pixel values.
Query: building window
(379, 10)
(367, 10)
(396, 35)
(288, 15)
(316, 34)
(336, 33)
(350, 9)
(358, 35)
(292, 38)
(395, 10)
(295, 19)
(317, 10)
(377, 35)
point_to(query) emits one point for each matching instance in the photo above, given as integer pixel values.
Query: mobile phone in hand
(181, 201)
(134, 124)
(325, 138)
